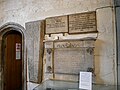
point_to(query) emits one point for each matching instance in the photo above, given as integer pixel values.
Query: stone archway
(3, 30)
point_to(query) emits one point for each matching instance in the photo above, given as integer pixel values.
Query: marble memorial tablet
(70, 57)
(82, 23)
(69, 61)
(56, 24)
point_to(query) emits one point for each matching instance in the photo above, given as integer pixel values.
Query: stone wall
(30, 10)
(105, 46)
(105, 60)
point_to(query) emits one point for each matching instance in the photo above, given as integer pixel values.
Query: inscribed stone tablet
(69, 60)
(70, 57)
(82, 23)
(56, 24)
(70, 44)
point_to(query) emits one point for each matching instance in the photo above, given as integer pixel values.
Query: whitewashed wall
(22, 11)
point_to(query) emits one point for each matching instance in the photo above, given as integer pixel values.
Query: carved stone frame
(3, 30)
(84, 44)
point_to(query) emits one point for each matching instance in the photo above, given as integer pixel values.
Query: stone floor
(65, 85)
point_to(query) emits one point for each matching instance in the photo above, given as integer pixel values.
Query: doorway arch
(8, 27)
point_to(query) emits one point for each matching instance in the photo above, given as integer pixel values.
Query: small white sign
(85, 80)
(18, 54)
(18, 51)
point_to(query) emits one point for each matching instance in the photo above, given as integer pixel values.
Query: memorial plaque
(69, 61)
(70, 57)
(82, 23)
(56, 24)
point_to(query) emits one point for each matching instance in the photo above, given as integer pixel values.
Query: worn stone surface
(66, 77)
(77, 36)
(22, 11)
(69, 44)
(49, 45)
(56, 24)
(105, 48)
(49, 63)
(67, 58)
(105, 61)
(82, 22)
(34, 41)
(69, 61)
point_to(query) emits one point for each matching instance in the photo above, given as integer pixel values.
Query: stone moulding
(17, 27)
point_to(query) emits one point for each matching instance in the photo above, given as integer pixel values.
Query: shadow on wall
(97, 61)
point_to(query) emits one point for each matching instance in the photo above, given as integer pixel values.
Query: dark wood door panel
(13, 64)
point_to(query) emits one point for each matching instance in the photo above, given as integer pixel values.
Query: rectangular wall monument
(69, 57)
(56, 24)
(82, 22)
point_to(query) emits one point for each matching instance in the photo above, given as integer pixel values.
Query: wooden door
(13, 61)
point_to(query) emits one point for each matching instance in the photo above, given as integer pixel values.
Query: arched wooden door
(12, 48)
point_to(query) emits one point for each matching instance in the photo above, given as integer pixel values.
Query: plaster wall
(30, 10)
(22, 11)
